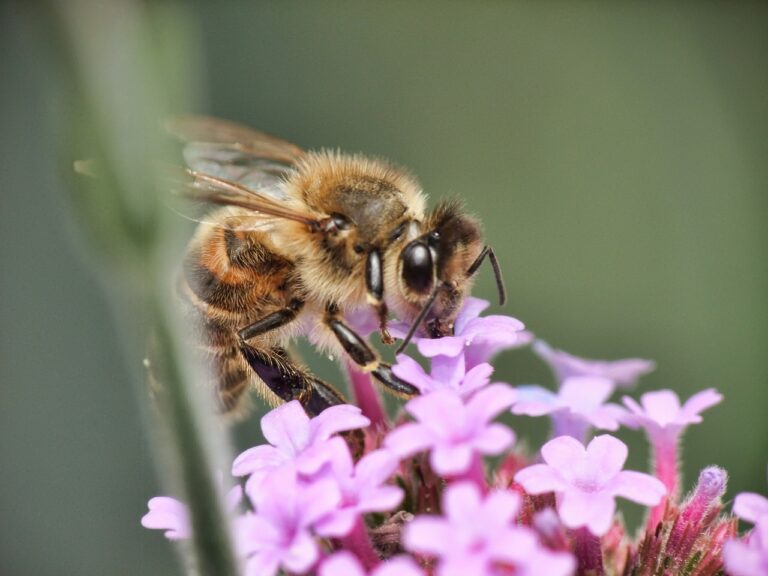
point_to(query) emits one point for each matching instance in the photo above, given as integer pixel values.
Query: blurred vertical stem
(121, 66)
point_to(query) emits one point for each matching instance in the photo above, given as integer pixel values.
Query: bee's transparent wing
(236, 153)
(200, 187)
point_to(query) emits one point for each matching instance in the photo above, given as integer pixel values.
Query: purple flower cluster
(420, 497)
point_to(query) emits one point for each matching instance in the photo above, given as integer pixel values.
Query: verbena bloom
(345, 564)
(750, 557)
(281, 533)
(294, 437)
(623, 373)
(168, 514)
(587, 481)
(751, 507)
(475, 534)
(454, 430)
(664, 419)
(660, 412)
(363, 488)
(411, 371)
(580, 403)
(475, 340)
(171, 515)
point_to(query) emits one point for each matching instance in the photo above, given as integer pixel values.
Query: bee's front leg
(362, 354)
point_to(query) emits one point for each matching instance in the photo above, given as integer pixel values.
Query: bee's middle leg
(274, 366)
(362, 355)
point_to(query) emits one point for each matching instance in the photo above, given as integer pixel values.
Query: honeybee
(301, 242)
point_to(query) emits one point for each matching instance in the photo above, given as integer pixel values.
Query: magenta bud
(709, 489)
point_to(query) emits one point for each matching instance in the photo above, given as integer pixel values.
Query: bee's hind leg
(288, 381)
(362, 355)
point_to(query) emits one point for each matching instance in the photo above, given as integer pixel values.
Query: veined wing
(201, 187)
(236, 153)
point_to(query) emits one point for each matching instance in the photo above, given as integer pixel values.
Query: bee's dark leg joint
(271, 321)
(363, 356)
(383, 374)
(288, 381)
(354, 345)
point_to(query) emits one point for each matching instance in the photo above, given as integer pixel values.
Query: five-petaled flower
(623, 373)
(475, 340)
(454, 430)
(580, 403)
(295, 438)
(281, 533)
(587, 481)
(477, 535)
(661, 414)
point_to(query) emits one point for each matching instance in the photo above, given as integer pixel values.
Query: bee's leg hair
(272, 321)
(374, 286)
(362, 355)
(289, 381)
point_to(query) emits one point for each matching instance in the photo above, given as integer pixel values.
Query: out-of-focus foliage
(616, 154)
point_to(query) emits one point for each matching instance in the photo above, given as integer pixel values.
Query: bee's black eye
(418, 268)
(358, 248)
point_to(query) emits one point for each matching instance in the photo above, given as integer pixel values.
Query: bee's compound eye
(418, 267)
(358, 248)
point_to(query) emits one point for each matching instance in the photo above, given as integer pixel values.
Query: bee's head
(436, 268)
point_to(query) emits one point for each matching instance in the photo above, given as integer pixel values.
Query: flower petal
(257, 458)
(341, 563)
(472, 308)
(493, 439)
(408, 439)
(336, 419)
(751, 507)
(540, 479)
(451, 459)
(606, 456)
(699, 402)
(565, 454)
(461, 502)
(638, 487)
(287, 427)
(593, 510)
(428, 535)
(489, 402)
(662, 406)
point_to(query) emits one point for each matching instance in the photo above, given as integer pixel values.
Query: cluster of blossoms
(349, 493)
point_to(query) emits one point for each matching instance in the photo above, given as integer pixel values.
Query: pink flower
(580, 398)
(362, 487)
(475, 535)
(294, 438)
(411, 371)
(475, 340)
(454, 431)
(168, 514)
(586, 481)
(623, 373)
(171, 515)
(748, 558)
(281, 532)
(345, 564)
(751, 507)
(661, 413)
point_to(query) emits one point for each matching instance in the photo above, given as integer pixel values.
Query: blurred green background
(615, 152)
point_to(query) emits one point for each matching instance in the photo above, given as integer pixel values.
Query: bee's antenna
(488, 251)
(418, 320)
